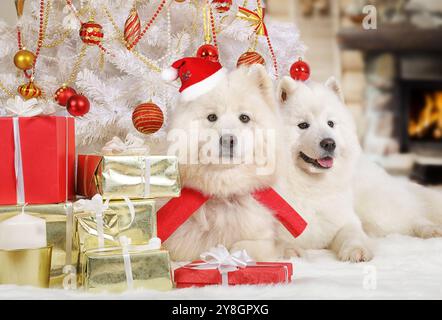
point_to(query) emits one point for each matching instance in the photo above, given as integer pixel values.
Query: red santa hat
(198, 76)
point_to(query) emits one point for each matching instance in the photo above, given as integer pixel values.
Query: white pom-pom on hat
(169, 74)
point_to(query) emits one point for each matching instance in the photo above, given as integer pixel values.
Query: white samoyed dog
(342, 195)
(227, 121)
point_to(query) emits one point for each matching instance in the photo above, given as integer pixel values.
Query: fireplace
(420, 116)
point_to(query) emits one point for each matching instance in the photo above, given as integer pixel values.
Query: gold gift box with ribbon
(99, 224)
(134, 176)
(121, 268)
(59, 231)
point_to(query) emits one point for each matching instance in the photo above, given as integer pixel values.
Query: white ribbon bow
(23, 108)
(125, 242)
(20, 108)
(219, 258)
(97, 206)
(132, 145)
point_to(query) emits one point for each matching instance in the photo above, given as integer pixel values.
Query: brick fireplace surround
(397, 59)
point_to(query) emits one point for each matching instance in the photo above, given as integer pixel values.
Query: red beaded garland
(147, 118)
(147, 26)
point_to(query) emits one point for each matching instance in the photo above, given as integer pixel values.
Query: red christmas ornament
(250, 57)
(132, 27)
(222, 5)
(147, 118)
(78, 105)
(209, 52)
(91, 33)
(63, 94)
(300, 70)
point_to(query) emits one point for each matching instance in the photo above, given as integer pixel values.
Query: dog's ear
(261, 78)
(334, 86)
(286, 88)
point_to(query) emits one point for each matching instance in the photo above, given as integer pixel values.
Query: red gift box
(259, 273)
(46, 147)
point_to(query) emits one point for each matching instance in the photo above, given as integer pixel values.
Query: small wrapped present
(37, 156)
(219, 267)
(99, 224)
(127, 172)
(127, 267)
(26, 267)
(59, 231)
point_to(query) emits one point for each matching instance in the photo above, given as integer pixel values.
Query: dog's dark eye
(212, 117)
(303, 125)
(331, 124)
(244, 118)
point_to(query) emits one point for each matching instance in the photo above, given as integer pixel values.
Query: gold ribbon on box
(59, 233)
(256, 19)
(127, 266)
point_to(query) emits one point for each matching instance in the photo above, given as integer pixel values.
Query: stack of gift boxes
(89, 221)
(104, 241)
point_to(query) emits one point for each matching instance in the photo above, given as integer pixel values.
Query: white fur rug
(405, 268)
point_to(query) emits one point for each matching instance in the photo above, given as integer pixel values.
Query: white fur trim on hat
(169, 74)
(203, 86)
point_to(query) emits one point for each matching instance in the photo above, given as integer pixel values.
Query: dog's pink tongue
(326, 162)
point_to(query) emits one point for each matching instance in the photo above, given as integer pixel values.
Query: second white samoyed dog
(243, 103)
(341, 193)
(324, 150)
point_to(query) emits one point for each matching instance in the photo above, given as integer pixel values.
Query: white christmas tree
(116, 79)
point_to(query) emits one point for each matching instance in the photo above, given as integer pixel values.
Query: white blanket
(403, 268)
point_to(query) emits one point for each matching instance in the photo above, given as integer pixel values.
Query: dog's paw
(355, 254)
(259, 250)
(428, 231)
(293, 252)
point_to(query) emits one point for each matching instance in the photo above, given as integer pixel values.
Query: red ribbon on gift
(175, 212)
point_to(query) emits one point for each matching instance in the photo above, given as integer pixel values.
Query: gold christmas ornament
(29, 90)
(24, 59)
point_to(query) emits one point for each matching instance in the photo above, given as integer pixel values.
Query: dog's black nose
(328, 144)
(227, 140)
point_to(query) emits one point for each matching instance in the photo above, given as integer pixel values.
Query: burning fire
(429, 121)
